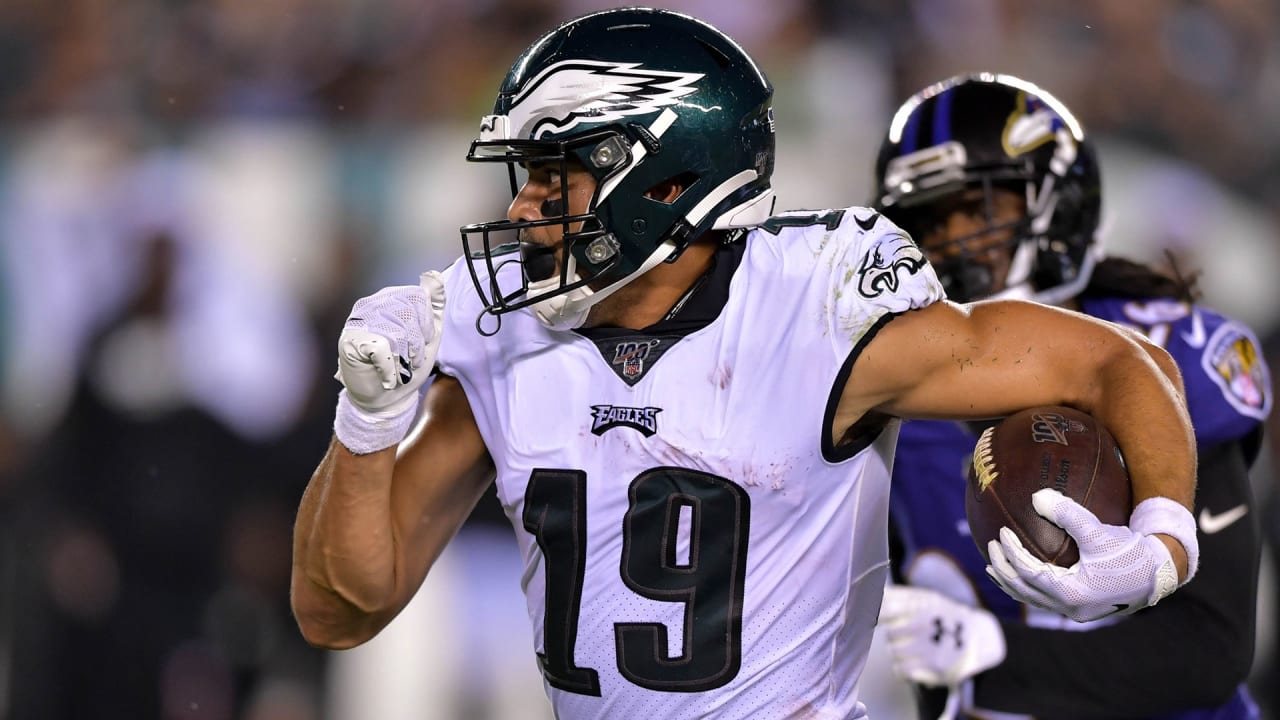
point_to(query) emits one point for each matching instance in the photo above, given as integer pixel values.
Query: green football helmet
(638, 97)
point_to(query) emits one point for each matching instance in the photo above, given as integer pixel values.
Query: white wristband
(1160, 515)
(363, 433)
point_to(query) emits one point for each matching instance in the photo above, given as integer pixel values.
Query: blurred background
(193, 193)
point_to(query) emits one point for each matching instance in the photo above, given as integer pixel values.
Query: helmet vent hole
(670, 190)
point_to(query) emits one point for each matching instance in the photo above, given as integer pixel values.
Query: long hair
(1121, 277)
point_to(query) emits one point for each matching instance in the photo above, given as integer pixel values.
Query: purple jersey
(1228, 394)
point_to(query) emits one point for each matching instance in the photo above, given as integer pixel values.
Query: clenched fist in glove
(385, 355)
(1121, 569)
(936, 640)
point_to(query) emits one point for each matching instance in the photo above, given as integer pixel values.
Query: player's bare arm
(380, 508)
(370, 526)
(991, 358)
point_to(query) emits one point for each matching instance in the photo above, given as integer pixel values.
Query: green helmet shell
(637, 97)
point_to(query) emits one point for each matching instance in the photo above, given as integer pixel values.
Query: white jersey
(695, 546)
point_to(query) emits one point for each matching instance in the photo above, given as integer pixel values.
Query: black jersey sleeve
(1191, 650)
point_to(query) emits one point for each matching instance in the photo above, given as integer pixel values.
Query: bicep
(442, 470)
(981, 360)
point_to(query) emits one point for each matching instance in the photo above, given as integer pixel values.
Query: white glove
(936, 640)
(385, 355)
(1121, 569)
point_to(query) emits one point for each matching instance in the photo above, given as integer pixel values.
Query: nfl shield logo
(631, 367)
(631, 356)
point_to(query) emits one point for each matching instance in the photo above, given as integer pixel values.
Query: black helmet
(986, 130)
(637, 97)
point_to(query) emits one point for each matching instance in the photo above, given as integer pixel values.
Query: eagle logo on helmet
(879, 269)
(576, 91)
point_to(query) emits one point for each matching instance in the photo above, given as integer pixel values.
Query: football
(1044, 447)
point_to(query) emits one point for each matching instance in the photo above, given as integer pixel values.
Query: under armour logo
(940, 631)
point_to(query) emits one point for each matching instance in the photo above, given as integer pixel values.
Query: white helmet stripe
(714, 197)
(664, 121)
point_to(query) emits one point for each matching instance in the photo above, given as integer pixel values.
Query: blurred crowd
(193, 193)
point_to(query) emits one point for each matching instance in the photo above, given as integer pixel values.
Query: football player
(996, 181)
(690, 404)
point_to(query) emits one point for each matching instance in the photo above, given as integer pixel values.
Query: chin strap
(1057, 295)
(568, 310)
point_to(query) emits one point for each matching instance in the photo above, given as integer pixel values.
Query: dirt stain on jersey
(721, 377)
